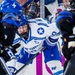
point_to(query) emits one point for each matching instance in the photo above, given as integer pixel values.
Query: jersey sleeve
(52, 34)
(52, 30)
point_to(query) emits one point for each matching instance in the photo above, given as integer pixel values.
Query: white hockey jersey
(40, 30)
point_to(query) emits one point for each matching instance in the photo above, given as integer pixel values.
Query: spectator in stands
(66, 3)
(0, 1)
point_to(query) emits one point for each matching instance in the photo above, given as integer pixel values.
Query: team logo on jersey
(40, 31)
(14, 5)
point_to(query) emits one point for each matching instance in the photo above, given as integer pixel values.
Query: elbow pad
(50, 41)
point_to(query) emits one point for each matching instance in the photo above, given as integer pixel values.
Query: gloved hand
(71, 46)
(68, 48)
(15, 47)
(4, 54)
(66, 52)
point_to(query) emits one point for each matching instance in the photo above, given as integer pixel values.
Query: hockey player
(66, 24)
(10, 19)
(36, 33)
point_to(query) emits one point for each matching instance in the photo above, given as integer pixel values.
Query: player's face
(23, 29)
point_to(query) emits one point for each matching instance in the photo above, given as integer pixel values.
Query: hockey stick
(3, 67)
(30, 60)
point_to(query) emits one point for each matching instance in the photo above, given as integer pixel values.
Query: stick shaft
(31, 59)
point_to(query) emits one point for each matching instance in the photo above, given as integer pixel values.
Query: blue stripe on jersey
(52, 40)
(59, 72)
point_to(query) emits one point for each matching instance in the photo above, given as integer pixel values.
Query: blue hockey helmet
(11, 7)
(23, 19)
